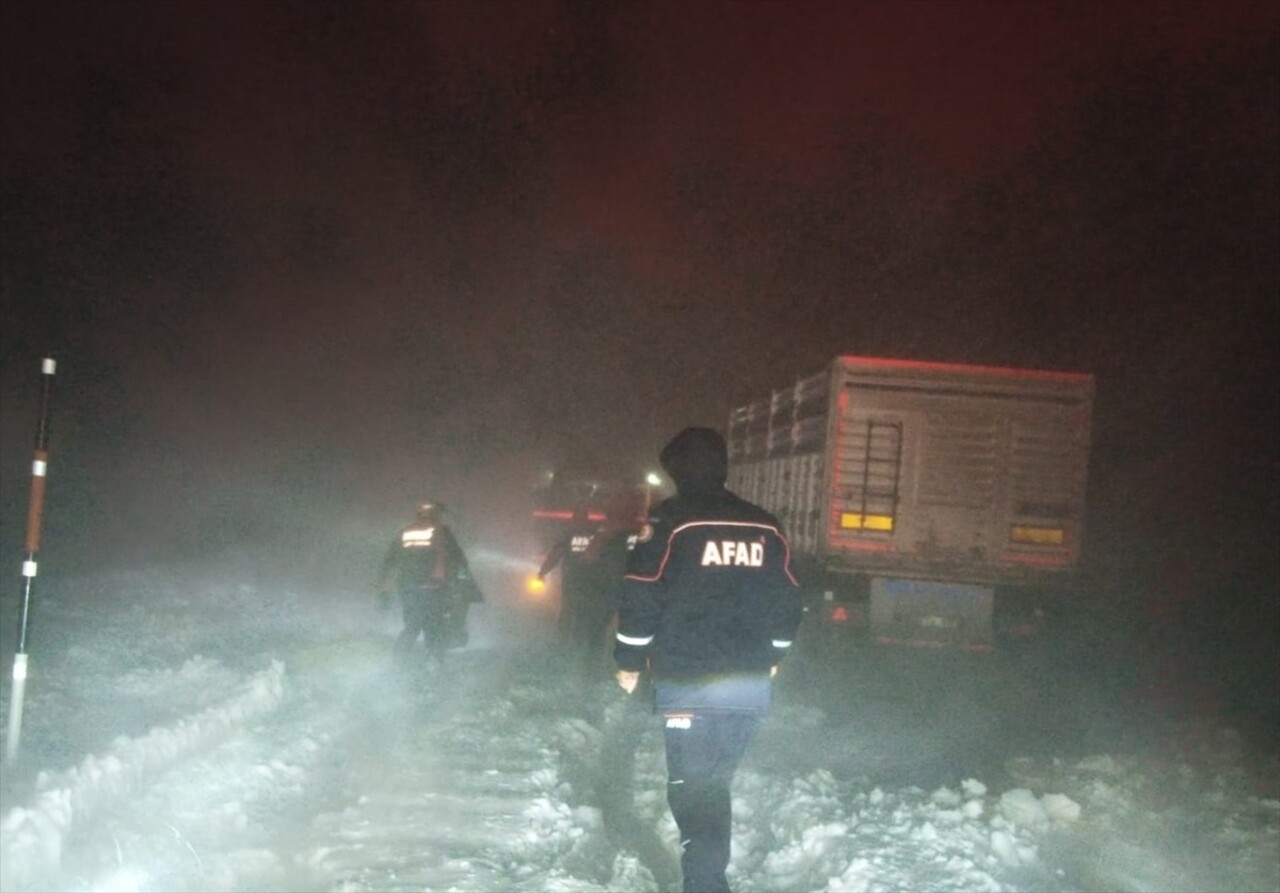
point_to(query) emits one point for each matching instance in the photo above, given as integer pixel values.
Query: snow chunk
(1060, 808)
(945, 798)
(1021, 808)
(790, 864)
(1006, 847)
(1024, 810)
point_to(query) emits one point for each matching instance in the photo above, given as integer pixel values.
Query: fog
(304, 266)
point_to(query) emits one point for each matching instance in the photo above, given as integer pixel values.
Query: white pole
(35, 516)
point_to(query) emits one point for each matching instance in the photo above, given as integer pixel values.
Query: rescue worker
(429, 572)
(570, 555)
(709, 607)
(591, 562)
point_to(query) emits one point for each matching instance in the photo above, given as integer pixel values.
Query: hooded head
(697, 460)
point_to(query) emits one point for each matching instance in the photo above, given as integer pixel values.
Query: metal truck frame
(912, 491)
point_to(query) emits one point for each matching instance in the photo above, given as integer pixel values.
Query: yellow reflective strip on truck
(855, 521)
(1037, 536)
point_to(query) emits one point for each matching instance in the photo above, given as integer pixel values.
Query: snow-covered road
(184, 735)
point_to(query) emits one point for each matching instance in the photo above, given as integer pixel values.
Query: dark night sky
(300, 262)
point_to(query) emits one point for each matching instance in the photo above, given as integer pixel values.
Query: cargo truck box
(913, 492)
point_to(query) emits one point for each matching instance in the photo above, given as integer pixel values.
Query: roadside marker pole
(35, 515)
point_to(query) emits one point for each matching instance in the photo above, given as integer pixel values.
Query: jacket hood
(697, 460)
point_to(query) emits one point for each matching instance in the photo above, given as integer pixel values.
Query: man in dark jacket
(573, 556)
(709, 606)
(429, 571)
(592, 561)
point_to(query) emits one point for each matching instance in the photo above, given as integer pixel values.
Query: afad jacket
(428, 556)
(708, 602)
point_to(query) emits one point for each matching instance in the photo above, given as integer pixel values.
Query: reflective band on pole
(15, 707)
(48, 366)
(39, 468)
(28, 568)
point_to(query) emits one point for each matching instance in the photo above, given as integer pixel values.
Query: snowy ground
(187, 735)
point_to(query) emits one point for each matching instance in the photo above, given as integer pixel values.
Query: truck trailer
(921, 499)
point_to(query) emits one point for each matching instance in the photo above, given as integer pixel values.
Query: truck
(926, 503)
(576, 503)
(572, 499)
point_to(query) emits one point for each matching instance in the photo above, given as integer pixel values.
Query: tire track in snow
(452, 783)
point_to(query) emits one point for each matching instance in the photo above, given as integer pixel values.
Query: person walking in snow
(591, 563)
(709, 607)
(428, 570)
(573, 556)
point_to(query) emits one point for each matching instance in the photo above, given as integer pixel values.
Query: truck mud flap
(931, 614)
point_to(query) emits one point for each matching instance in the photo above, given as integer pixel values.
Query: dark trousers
(571, 597)
(427, 612)
(586, 611)
(703, 752)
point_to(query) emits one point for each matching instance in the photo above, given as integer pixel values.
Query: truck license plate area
(936, 621)
(932, 614)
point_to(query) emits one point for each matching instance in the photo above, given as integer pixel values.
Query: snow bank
(31, 838)
(820, 833)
